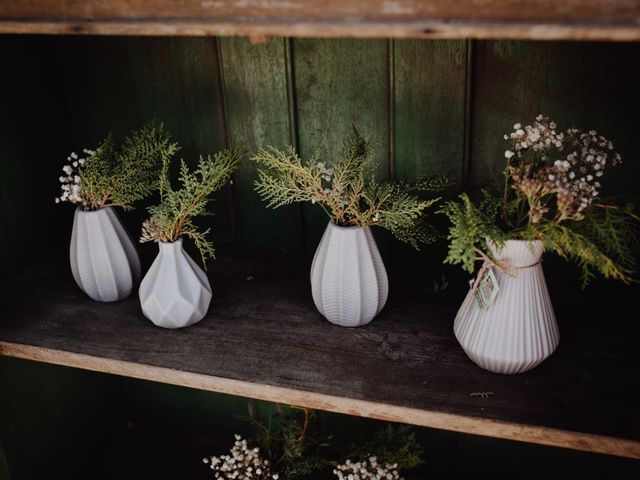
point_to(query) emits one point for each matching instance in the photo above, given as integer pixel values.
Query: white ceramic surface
(348, 279)
(518, 330)
(175, 292)
(104, 261)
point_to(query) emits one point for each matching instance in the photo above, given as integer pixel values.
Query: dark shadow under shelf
(263, 338)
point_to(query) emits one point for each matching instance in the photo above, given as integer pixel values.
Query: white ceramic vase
(348, 279)
(104, 261)
(175, 292)
(518, 330)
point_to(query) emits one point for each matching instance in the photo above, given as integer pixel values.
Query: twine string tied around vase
(487, 264)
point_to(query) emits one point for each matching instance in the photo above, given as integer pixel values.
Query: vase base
(507, 366)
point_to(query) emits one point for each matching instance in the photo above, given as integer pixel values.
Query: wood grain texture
(541, 19)
(264, 339)
(429, 100)
(578, 85)
(340, 84)
(257, 106)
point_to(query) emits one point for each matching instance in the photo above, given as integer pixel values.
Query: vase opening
(349, 228)
(170, 246)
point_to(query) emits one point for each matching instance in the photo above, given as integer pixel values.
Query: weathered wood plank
(118, 84)
(429, 97)
(257, 105)
(340, 84)
(540, 19)
(263, 338)
(614, 11)
(578, 85)
(429, 94)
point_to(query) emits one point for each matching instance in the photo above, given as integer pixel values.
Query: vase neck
(518, 253)
(170, 248)
(99, 211)
(351, 228)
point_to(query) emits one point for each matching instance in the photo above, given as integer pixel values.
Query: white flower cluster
(367, 470)
(537, 137)
(242, 463)
(537, 171)
(71, 189)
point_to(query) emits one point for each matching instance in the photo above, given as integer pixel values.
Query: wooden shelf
(523, 19)
(263, 338)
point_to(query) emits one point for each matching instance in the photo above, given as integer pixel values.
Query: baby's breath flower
(71, 190)
(578, 158)
(111, 176)
(368, 469)
(242, 463)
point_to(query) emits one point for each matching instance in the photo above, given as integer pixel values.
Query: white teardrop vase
(518, 330)
(348, 280)
(175, 292)
(104, 261)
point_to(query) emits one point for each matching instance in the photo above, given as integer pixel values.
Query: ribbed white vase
(348, 279)
(518, 330)
(104, 261)
(175, 292)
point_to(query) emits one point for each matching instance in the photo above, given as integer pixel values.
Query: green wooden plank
(429, 123)
(340, 83)
(586, 85)
(257, 105)
(118, 84)
(429, 108)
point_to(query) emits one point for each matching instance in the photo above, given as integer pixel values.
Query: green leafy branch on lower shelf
(290, 446)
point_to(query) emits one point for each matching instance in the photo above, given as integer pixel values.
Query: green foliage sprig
(291, 441)
(393, 445)
(346, 190)
(117, 176)
(550, 192)
(173, 217)
(291, 446)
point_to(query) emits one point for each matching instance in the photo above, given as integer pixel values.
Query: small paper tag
(487, 289)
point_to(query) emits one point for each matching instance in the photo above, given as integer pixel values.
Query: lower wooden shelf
(263, 338)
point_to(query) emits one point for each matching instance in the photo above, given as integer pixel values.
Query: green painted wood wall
(428, 105)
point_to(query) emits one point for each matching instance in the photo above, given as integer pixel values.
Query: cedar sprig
(346, 190)
(112, 176)
(551, 192)
(173, 217)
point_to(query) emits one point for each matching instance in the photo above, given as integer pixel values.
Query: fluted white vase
(104, 261)
(175, 292)
(348, 280)
(518, 330)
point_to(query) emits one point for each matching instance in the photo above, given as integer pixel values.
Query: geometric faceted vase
(518, 329)
(349, 283)
(175, 292)
(104, 261)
